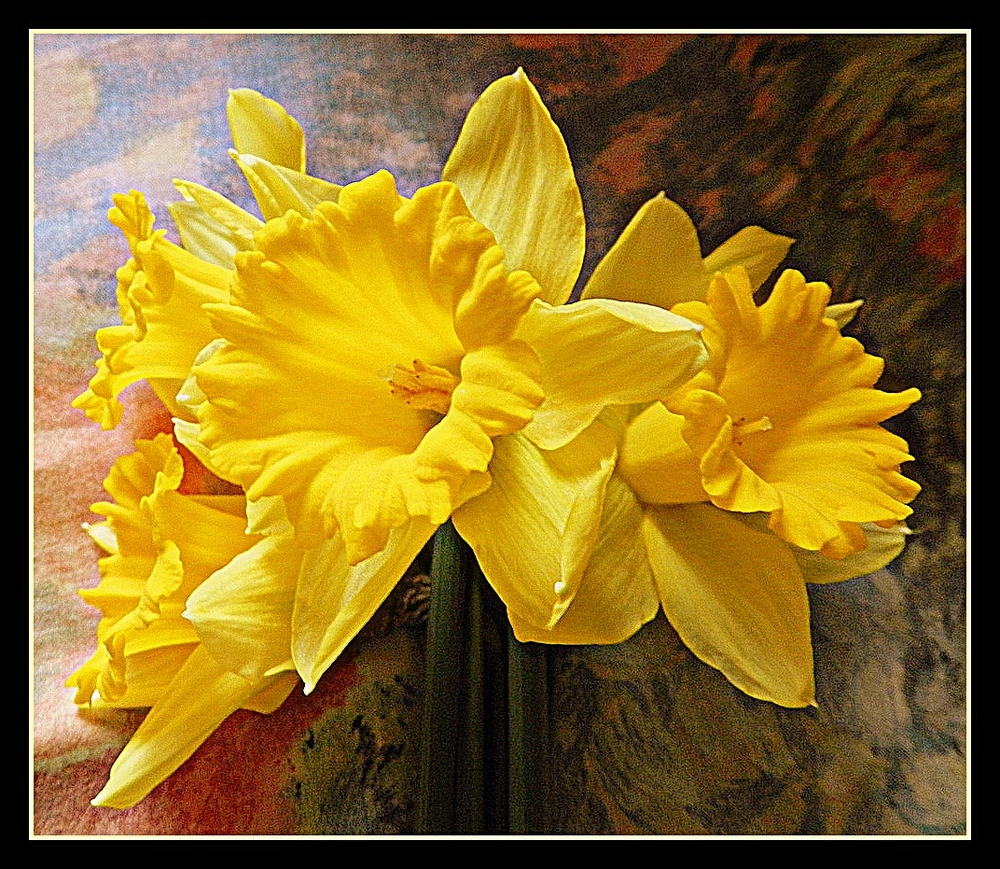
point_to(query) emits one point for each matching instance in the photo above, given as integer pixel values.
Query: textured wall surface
(853, 144)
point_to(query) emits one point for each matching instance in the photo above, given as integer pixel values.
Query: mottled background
(855, 144)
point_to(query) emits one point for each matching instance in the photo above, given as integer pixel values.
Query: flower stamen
(423, 386)
(743, 429)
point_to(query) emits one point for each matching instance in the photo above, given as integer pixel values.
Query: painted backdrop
(853, 144)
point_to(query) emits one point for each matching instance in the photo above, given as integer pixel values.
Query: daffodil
(162, 286)
(161, 545)
(389, 363)
(769, 468)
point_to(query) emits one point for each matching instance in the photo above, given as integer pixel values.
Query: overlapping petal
(160, 294)
(513, 168)
(534, 529)
(198, 699)
(600, 352)
(161, 545)
(657, 259)
(736, 597)
(328, 312)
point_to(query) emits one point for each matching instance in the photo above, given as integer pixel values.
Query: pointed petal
(243, 612)
(261, 126)
(334, 600)
(601, 352)
(534, 528)
(760, 252)
(884, 544)
(617, 594)
(656, 260)
(278, 189)
(512, 166)
(737, 599)
(211, 227)
(200, 697)
(843, 313)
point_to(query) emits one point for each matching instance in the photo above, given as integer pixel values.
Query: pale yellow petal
(200, 697)
(261, 126)
(657, 462)
(334, 600)
(243, 612)
(656, 259)
(884, 544)
(533, 530)
(736, 597)
(278, 189)
(843, 313)
(602, 352)
(211, 227)
(617, 594)
(755, 249)
(512, 166)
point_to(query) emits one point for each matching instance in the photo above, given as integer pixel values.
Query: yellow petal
(737, 599)
(534, 528)
(755, 249)
(261, 126)
(617, 594)
(656, 260)
(512, 166)
(330, 314)
(278, 189)
(243, 611)
(843, 313)
(884, 544)
(200, 697)
(601, 352)
(334, 600)
(657, 462)
(211, 227)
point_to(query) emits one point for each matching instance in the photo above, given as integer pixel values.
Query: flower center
(423, 386)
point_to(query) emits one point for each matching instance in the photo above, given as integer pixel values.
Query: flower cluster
(362, 367)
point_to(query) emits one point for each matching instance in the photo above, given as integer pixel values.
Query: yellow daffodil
(162, 545)
(160, 293)
(162, 287)
(379, 351)
(767, 469)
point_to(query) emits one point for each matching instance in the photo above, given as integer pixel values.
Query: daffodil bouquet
(358, 369)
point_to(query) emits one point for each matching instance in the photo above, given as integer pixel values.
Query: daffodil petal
(334, 600)
(243, 612)
(736, 597)
(754, 248)
(656, 260)
(533, 530)
(278, 189)
(602, 352)
(261, 126)
(200, 697)
(211, 227)
(515, 173)
(617, 594)
(844, 312)
(884, 544)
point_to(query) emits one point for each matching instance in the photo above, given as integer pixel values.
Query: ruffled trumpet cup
(784, 420)
(369, 360)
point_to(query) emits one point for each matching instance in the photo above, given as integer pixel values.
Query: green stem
(442, 709)
(528, 715)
